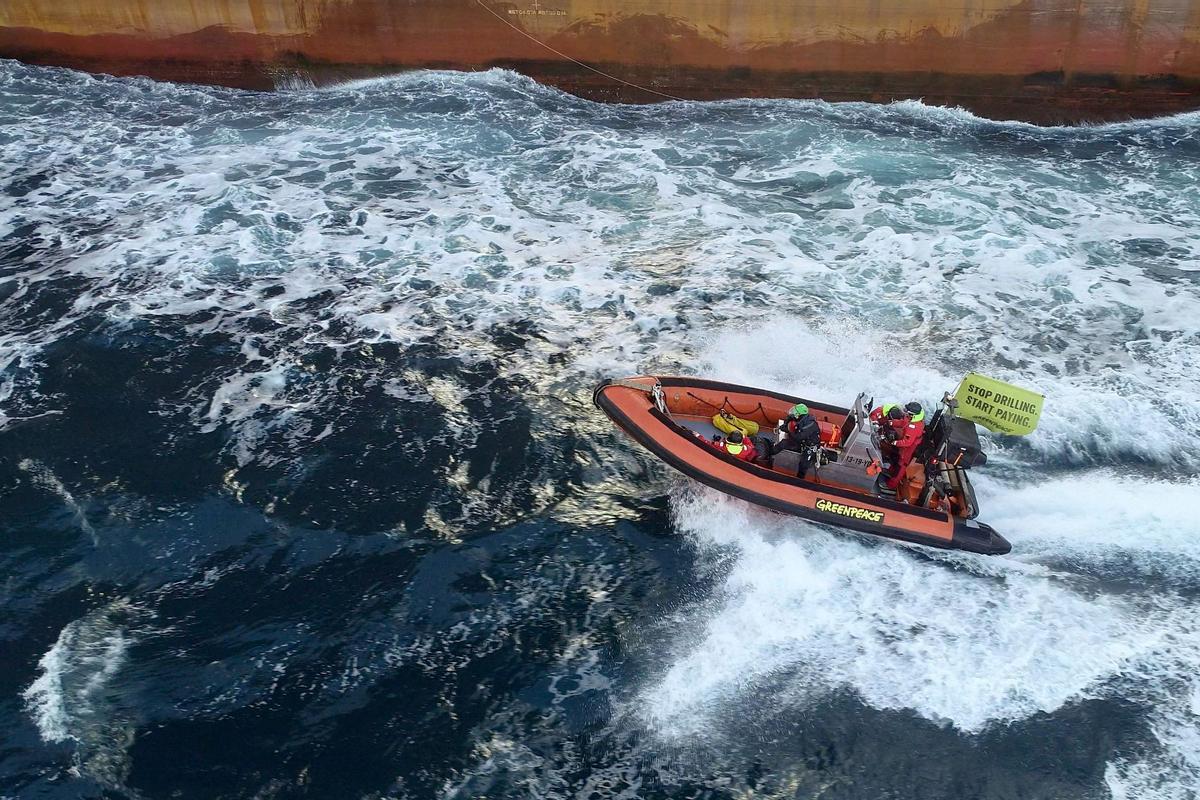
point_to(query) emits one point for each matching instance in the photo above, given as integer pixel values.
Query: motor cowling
(961, 445)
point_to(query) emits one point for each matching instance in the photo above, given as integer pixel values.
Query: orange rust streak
(1025, 58)
(986, 38)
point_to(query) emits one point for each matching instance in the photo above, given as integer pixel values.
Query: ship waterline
(1038, 60)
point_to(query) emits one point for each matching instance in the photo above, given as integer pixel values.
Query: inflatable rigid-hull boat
(670, 416)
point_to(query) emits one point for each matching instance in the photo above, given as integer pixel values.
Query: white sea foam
(1076, 612)
(1168, 768)
(1095, 517)
(622, 239)
(958, 640)
(1087, 419)
(825, 611)
(67, 700)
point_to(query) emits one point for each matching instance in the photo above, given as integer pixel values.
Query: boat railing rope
(726, 404)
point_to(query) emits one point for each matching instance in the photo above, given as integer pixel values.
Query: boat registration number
(843, 510)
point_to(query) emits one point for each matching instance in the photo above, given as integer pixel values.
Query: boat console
(846, 461)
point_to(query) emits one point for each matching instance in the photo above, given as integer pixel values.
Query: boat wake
(1099, 601)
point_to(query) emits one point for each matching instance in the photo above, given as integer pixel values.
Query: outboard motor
(951, 448)
(961, 445)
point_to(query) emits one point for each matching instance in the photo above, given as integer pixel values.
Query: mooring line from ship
(561, 54)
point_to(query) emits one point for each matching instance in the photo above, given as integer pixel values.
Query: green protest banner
(998, 406)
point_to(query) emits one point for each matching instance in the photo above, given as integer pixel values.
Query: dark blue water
(303, 494)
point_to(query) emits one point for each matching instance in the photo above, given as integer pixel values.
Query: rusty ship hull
(1043, 61)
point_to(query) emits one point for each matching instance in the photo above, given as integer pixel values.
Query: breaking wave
(75, 675)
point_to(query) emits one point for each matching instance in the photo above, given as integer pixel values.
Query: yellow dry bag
(728, 423)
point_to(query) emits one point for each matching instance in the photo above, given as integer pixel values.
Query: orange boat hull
(633, 410)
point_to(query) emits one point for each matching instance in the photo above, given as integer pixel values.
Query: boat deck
(785, 463)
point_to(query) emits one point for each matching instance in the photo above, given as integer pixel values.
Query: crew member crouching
(735, 444)
(802, 434)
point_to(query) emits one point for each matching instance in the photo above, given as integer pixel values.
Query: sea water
(303, 493)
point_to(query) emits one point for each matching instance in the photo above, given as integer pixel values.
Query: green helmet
(798, 410)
